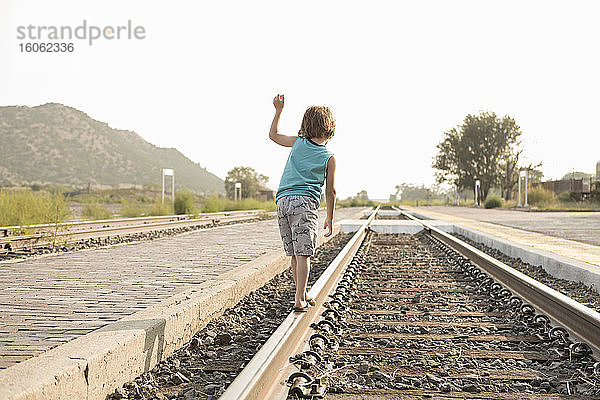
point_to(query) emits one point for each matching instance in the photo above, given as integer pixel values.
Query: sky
(396, 75)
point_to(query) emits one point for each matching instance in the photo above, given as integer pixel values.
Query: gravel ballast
(116, 239)
(578, 291)
(204, 367)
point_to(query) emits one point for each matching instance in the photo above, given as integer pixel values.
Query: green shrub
(24, 207)
(96, 211)
(249, 204)
(565, 196)
(93, 198)
(492, 202)
(354, 202)
(213, 204)
(143, 199)
(131, 210)
(158, 208)
(540, 197)
(219, 204)
(184, 203)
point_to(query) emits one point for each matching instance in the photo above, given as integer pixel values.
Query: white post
(525, 205)
(457, 197)
(162, 196)
(519, 183)
(237, 186)
(171, 173)
(477, 186)
(173, 190)
(522, 178)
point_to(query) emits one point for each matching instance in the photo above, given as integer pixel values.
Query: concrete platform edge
(554, 264)
(94, 365)
(558, 266)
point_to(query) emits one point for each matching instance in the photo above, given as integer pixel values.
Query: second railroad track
(414, 316)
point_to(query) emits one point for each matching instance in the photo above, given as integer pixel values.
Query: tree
(362, 195)
(535, 175)
(184, 203)
(251, 182)
(419, 192)
(577, 175)
(478, 149)
(510, 172)
(360, 200)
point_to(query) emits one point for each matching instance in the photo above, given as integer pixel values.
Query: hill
(56, 144)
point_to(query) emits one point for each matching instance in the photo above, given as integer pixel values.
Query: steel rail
(581, 321)
(6, 230)
(40, 239)
(260, 378)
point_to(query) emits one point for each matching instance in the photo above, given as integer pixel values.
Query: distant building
(578, 188)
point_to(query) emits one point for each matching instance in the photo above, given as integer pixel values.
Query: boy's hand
(329, 226)
(278, 102)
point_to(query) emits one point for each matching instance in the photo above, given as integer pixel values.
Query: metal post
(477, 186)
(519, 203)
(457, 197)
(162, 196)
(525, 205)
(168, 172)
(237, 186)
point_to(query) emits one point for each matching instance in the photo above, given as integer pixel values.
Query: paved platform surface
(534, 229)
(579, 226)
(47, 301)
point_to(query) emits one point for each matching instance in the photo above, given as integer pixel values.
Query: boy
(308, 166)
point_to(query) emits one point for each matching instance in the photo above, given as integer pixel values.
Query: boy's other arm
(330, 195)
(274, 135)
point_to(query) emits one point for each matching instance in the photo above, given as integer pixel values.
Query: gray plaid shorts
(298, 224)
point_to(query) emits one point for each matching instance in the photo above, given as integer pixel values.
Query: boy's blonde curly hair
(318, 122)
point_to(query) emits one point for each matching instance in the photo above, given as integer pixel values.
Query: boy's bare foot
(301, 307)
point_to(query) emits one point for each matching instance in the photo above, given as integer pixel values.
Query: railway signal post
(168, 172)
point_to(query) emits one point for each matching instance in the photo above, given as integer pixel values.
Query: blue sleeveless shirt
(304, 172)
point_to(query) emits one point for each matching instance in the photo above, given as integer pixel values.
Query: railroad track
(402, 316)
(12, 239)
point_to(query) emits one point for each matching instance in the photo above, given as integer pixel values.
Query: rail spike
(299, 382)
(306, 359)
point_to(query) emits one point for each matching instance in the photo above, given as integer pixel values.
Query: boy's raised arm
(274, 135)
(330, 195)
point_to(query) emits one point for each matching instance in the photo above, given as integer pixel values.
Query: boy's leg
(303, 222)
(293, 264)
(302, 270)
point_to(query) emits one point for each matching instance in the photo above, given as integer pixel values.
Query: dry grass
(20, 207)
(136, 209)
(219, 204)
(96, 211)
